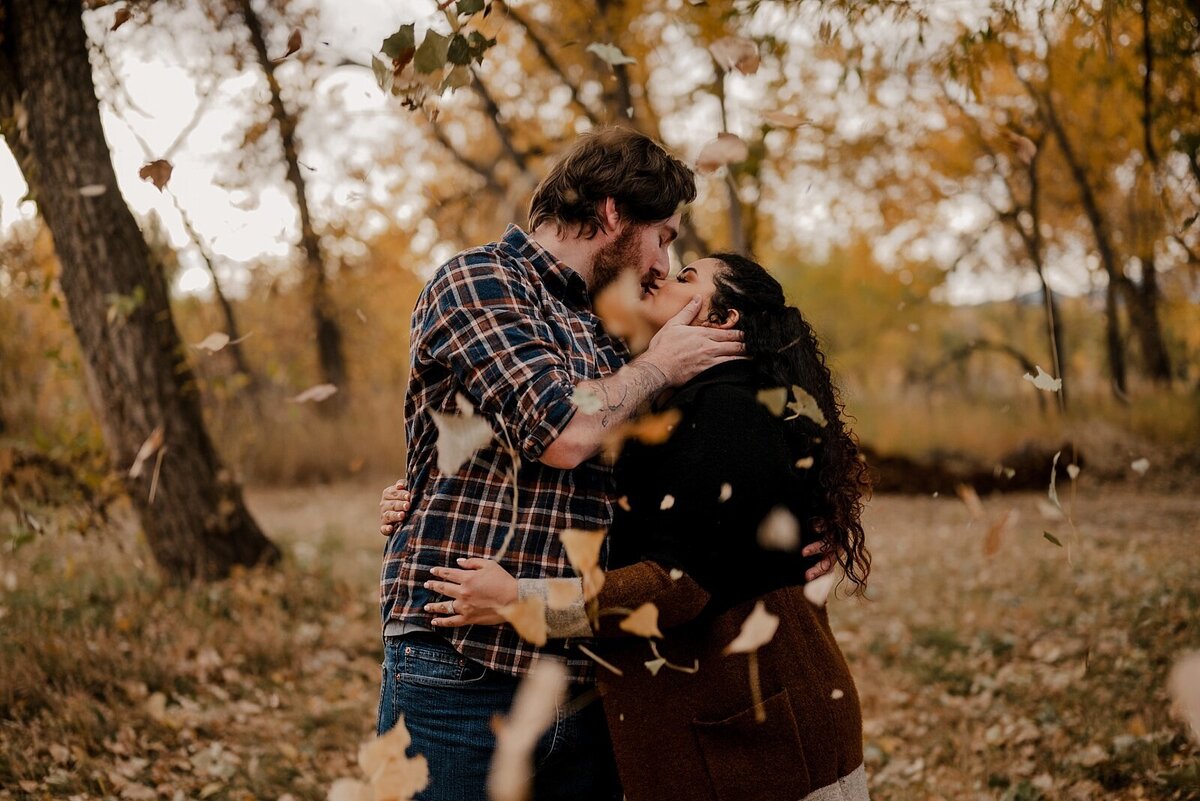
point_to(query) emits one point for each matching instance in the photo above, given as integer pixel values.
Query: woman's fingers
(450, 622)
(445, 588)
(814, 548)
(386, 529)
(450, 574)
(819, 569)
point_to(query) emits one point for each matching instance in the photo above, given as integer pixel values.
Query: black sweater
(725, 436)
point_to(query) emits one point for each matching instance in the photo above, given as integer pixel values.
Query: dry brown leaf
(619, 306)
(971, 498)
(727, 148)
(157, 172)
(528, 617)
(315, 394)
(775, 399)
(563, 593)
(642, 621)
(736, 52)
(295, 40)
(995, 533)
(779, 530)
(783, 119)
(583, 552)
(459, 436)
(148, 449)
(757, 630)
(534, 708)
(392, 774)
(649, 429)
(122, 16)
(1025, 147)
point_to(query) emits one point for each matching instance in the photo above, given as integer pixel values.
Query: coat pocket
(751, 761)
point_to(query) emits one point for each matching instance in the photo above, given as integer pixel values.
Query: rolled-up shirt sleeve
(486, 325)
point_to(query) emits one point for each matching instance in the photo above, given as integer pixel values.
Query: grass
(1037, 673)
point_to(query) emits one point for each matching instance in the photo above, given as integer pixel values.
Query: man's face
(639, 247)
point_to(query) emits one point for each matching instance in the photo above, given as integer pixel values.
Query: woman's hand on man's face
(475, 592)
(393, 507)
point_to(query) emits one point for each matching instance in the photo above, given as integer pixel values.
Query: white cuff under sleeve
(566, 615)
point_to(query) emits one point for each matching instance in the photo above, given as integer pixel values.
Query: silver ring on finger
(451, 607)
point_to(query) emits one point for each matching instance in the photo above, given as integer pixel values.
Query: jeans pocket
(748, 760)
(428, 662)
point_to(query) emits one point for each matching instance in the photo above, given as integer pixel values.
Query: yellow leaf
(642, 621)
(534, 708)
(563, 593)
(757, 630)
(775, 399)
(583, 552)
(779, 531)
(817, 591)
(315, 394)
(528, 617)
(805, 405)
(459, 436)
(391, 773)
(619, 306)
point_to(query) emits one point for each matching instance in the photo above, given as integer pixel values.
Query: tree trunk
(1112, 340)
(195, 521)
(329, 335)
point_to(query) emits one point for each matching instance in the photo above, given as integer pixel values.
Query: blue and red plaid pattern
(511, 328)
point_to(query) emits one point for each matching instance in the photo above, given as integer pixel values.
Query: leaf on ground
(1184, 687)
(149, 447)
(757, 630)
(157, 172)
(642, 621)
(1051, 538)
(779, 530)
(995, 533)
(817, 591)
(727, 148)
(315, 394)
(583, 552)
(805, 405)
(459, 436)
(970, 497)
(563, 593)
(610, 54)
(775, 399)
(528, 617)
(1044, 380)
(736, 52)
(534, 708)
(391, 774)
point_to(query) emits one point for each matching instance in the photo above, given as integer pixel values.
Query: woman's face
(666, 298)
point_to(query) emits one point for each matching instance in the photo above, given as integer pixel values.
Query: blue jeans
(448, 702)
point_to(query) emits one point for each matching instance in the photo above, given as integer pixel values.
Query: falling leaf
(1025, 147)
(995, 533)
(971, 498)
(534, 709)
(805, 405)
(779, 531)
(610, 54)
(293, 44)
(587, 400)
(675, 573)
(315, 394)
(1052, 538)
(667, 502)
(757, 630)
(148, 449)
(122, 16)
(727, 148)
(1053, 493)
(93, 190)
(157, 172)
(1073, 471)
(391, 773)
(528, 617)
(726, 492)
(642, 621)
(623, 502)
(648, 429)
(836, 694)
(459, 436)
(775, 399)
(1140, 466)
(1184, 687)
(619, 307)
(1044, 380)
(736, 52)
(817, 591)
(1008, 472)
(563, 593)
(655, 665)
(213, 343)
(583, 552)
(783, 119)
(805, 463)
(349, 790)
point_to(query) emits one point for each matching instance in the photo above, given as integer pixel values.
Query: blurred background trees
(952, 192)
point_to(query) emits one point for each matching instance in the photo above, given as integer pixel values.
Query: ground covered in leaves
(997, 666)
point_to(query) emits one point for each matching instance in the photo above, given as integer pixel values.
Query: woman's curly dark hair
(786, 352)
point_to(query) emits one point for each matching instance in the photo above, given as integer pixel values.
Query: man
(510, 327)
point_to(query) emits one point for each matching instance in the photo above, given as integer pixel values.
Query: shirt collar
(561, 281)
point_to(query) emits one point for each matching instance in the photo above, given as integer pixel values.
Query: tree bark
(330, 352)
(195, 521)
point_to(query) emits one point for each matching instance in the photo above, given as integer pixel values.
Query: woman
(709, 524)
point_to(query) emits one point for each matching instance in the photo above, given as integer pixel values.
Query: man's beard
(619, 254)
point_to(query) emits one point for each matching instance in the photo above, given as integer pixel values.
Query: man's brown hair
(647, 183)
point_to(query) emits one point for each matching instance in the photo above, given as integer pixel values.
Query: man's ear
(609, 215)
(730, 321)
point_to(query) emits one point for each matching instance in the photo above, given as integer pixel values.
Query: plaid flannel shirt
(511, 328)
